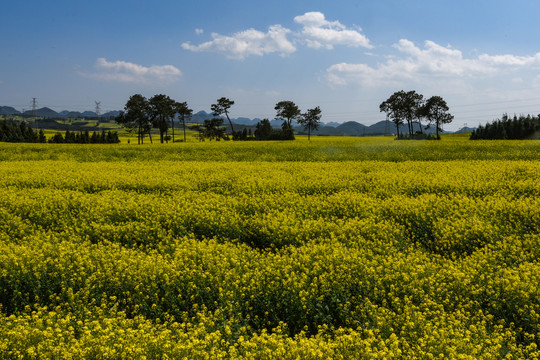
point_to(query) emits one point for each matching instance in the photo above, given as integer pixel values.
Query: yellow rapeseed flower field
(337, 248)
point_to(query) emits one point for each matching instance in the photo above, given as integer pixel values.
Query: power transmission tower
(98, 109)
(34, 112)
(34, 107)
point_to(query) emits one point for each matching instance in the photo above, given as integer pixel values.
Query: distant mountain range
(49, 113)
(350, 128)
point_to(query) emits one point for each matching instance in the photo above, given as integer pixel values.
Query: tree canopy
(184, 112)
(288, 111)
(435, 110)
(162, 109)
(310, 120)
(222, 107)
(410, 106)
(136, 116)
(506, 128)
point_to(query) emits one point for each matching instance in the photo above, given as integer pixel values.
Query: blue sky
(482, 57)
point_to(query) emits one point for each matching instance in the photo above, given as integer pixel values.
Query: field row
(319, 149)
(232, 259)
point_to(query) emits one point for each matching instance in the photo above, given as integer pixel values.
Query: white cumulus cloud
(319, 32)
(248, 42)
(123, 71)
(316, 32)
(433, 61)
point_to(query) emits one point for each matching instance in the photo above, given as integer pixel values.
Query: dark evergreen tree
(506, 128)
(41, 136)
(263, 130)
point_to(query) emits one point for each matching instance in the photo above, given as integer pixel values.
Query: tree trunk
(184, 124)
(230, 122)
(172, 127)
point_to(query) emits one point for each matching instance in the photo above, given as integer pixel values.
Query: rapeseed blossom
(317, 258)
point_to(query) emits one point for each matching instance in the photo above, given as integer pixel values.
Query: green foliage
(288, 111)
(410, 105)
(184, 112)
(435, 110)
(211, 129)
(136, 116)
(72, 137)
(162, 109)
(506, 128)
(310, 120)
(264, 131)
(14, 131)
(222, 107)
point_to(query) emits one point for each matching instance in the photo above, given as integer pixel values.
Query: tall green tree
(402, 106)
(393, 107)
(310, 120)
(135, 117)
(412, 101)
(222, 107)
(162, 110)
(436, 112)
(184, 112)
(288, 111)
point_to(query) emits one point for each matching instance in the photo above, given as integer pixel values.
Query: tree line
(411, 107)
(14, 131)
(508, 128)
(141, 115)
(84, 137)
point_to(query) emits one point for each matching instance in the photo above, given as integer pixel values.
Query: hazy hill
(200, 117)
(42, 112)
(352, 128)
(8, 110)
(71, 114)
(465, 130)
(113, 113)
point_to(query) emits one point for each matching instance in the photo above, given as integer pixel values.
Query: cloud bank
(126, 72)
(433, 61)
(316, 33)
